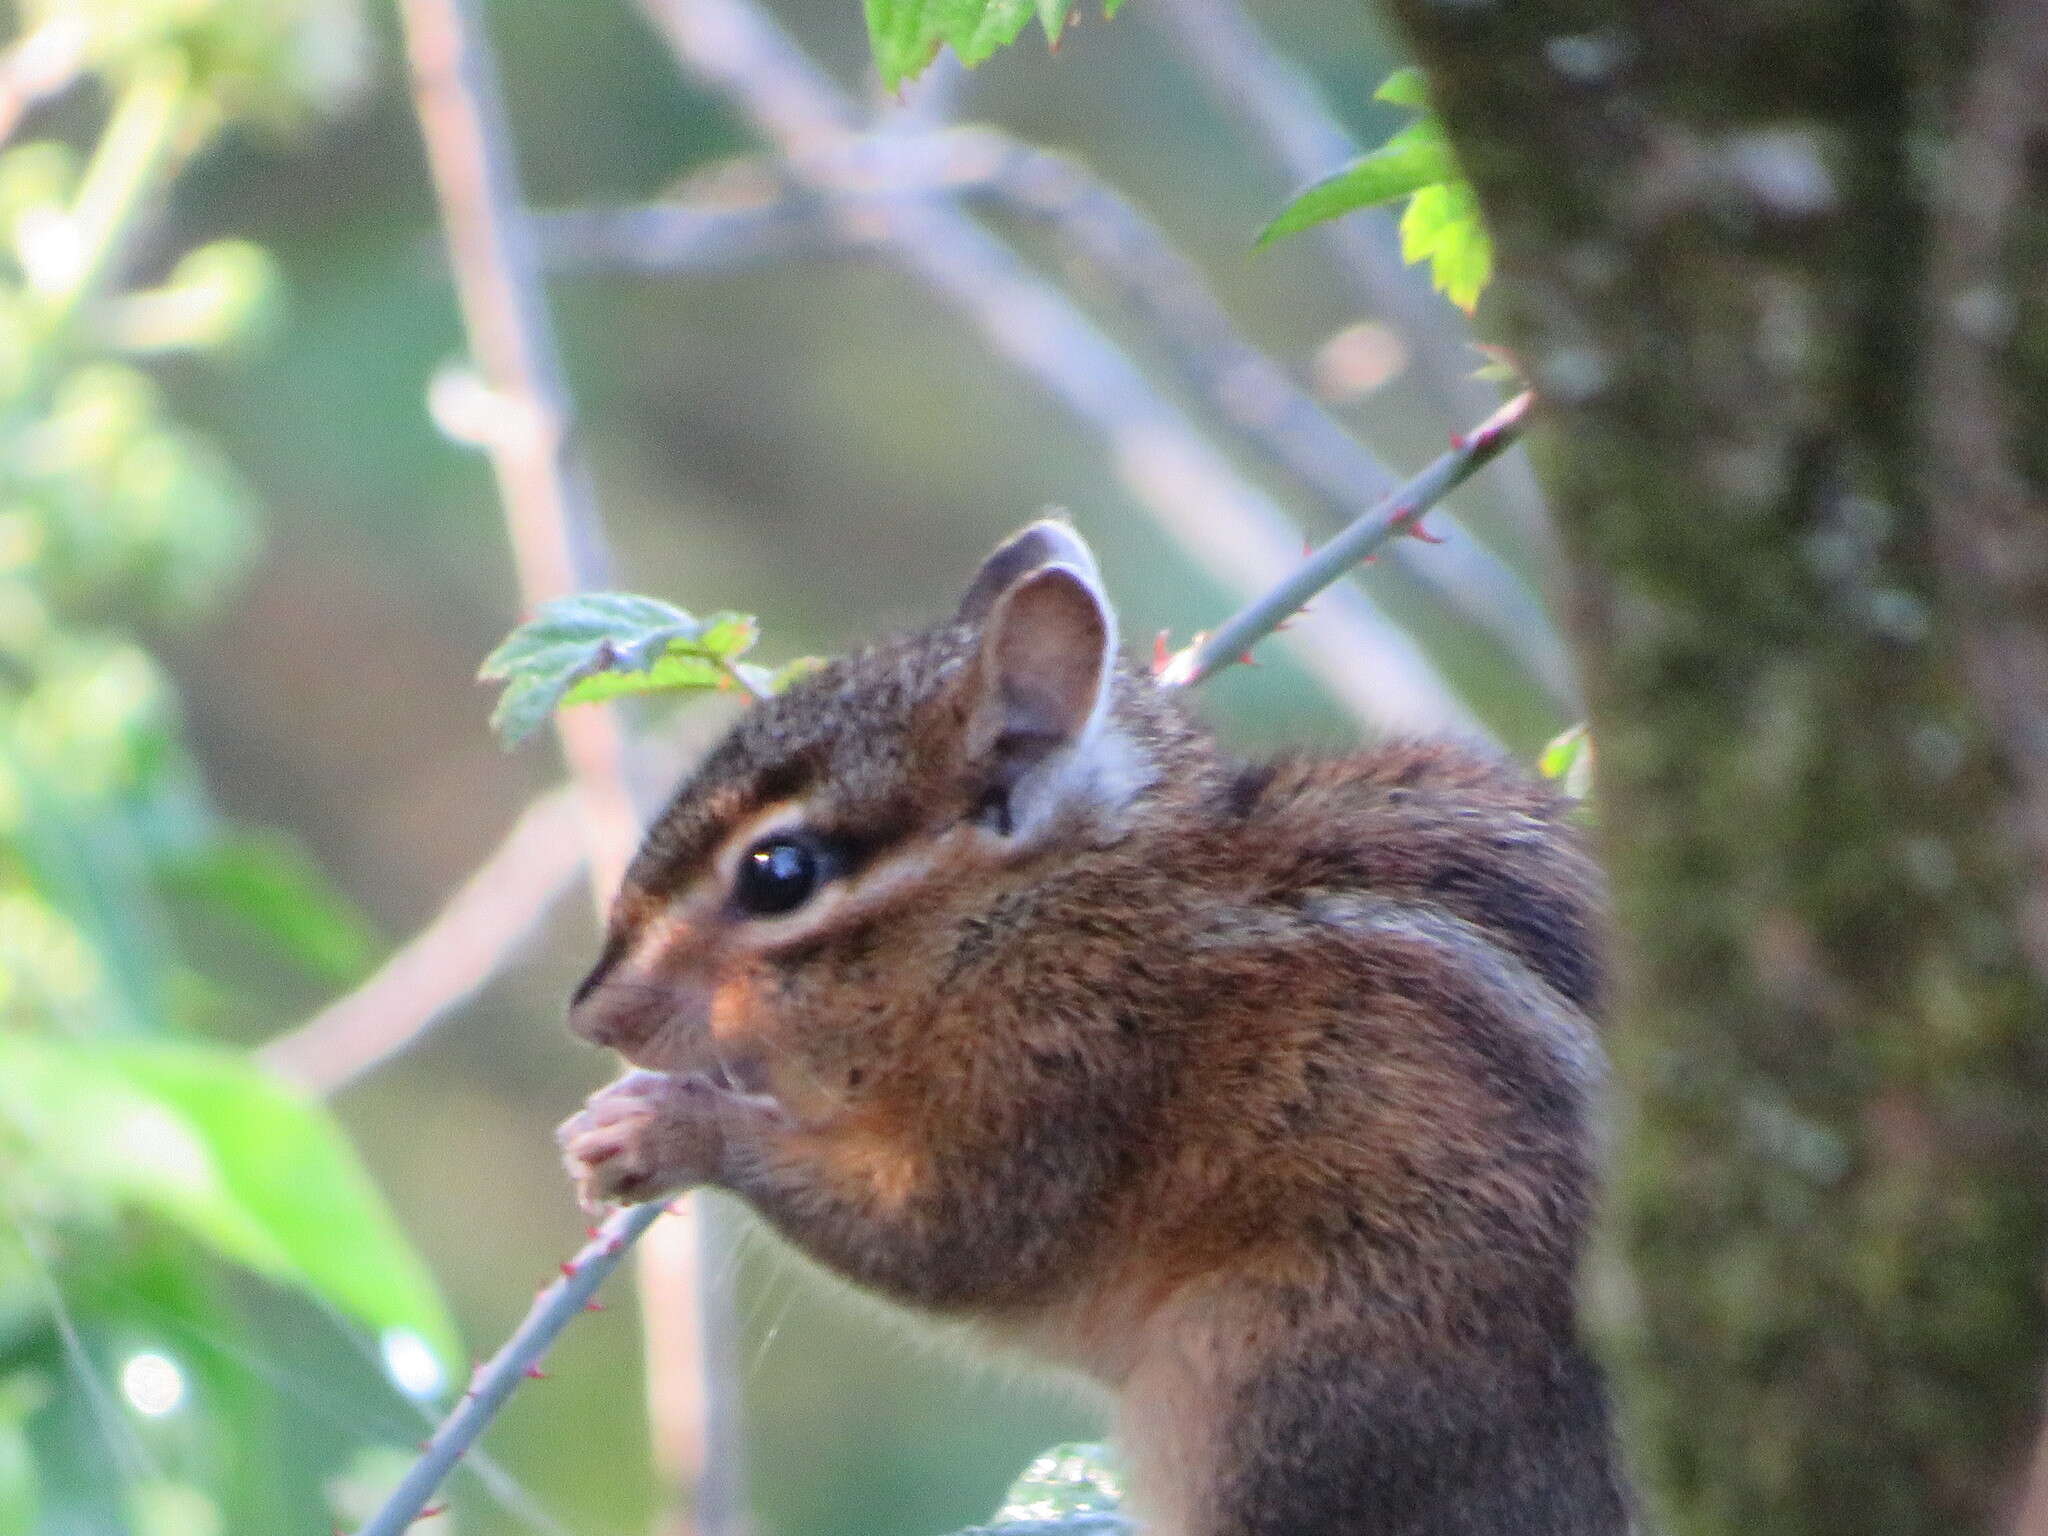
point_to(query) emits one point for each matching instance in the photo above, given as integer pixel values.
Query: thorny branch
(1398, 514)
(1268, 411)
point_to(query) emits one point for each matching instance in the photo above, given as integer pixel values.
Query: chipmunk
(1258, 1093)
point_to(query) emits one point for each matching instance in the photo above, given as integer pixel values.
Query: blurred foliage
(752, 439)
(1441, 224)
(127, 1147)
(1079, 1478)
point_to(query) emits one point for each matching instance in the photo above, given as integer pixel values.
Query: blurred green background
(244, 588)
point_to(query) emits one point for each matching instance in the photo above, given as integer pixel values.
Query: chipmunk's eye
(778, 874)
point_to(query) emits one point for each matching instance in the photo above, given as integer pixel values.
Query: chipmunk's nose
(617, 1004)
(634, 1002)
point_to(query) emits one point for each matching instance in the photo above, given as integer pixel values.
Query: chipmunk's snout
(631, 1001)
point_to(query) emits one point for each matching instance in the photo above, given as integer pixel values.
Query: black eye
(777, 875)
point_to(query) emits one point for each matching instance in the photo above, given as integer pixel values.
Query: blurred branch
(1399, 513)
(1268, 412)
(43, 62)
(1168, 466)
(1280, 103)
(556, 539)
(660, 239)
(447, 961)
(550, 513)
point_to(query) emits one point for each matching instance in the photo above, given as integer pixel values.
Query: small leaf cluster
(906, 35)
(1441, 224)
(606, 645)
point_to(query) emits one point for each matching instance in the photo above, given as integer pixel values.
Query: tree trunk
(1780, 270)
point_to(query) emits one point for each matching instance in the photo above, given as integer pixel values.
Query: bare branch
(446, 962)
(1268, 411)
(1399, 513)
(1169, 467)
(550, 513)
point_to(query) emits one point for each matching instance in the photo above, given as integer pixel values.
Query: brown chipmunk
(1260, 1094)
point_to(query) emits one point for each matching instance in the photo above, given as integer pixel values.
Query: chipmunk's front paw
(646, 1135)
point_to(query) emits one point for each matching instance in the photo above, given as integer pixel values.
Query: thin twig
(1169, 467)
(1267, 410)
(557, 544)
(447, 961)
(550, 512)
(1280, 104)
(1400, 513)
(519, 1359)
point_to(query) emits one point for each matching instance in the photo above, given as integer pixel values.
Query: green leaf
(198, 1137)
(1414, 160)
(905, 35)
(20, 1395)
(1568, 758)
(600, 645)
(1442, 226)
(1407, 86)
(268, 885)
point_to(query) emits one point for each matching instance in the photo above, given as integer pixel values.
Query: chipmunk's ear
(1040, 726)
(1049, 541)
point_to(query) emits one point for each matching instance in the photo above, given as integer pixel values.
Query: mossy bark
(1780, 272)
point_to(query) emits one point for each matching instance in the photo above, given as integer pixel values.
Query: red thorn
(591, 1233)
(536, 1373)
(1246, 660)
(593, 1306)
(1458, 443)
(428, 1514)
(568, 1269)
(1160, 654)
(612, 1245)
(1415, 530)
(1369, 560)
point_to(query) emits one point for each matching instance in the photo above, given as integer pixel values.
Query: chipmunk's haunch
(1259, 1093)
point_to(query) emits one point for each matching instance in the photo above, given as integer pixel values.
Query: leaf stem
(1399, 512)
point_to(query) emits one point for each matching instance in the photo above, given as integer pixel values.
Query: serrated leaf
(602, 645)
(1442, 226)
(1412, 161)
(905, 35)
(1052, 18)
(198, 1137)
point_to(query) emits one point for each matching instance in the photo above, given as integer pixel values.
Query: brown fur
(1260, 1092)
